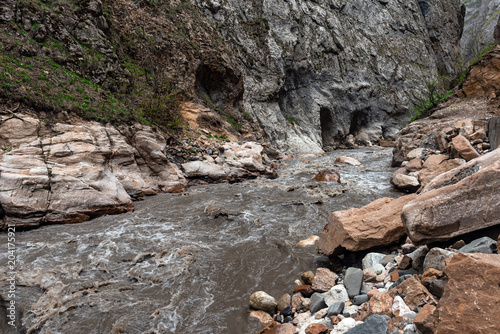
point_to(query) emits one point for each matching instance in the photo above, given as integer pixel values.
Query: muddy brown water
(170, 268)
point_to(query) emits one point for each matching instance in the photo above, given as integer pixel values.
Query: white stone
(378, 269)
(399, 307)
(416, 153)
(336, 294)
(344, 326)
(371, 259)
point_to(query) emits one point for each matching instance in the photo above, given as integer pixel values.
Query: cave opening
(327, 128)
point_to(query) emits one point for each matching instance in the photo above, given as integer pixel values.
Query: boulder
(402, 181)
(464, 148)
(436, 258)
(415, 294)
(324, 280)
(484, 245)
(471, 303)
(451, 204)
(360, 229)
(262, 301)
(327, 175)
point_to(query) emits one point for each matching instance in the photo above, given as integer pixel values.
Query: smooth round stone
(378, 269)
(260, 300)
(336, 294)
(358, 300)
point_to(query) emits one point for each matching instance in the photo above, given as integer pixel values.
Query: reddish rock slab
(305, 290)
(471, 299)
(415, 294)
(427, 174)
(360, 229)
(387, 143)
(457, 202)
(426, 319)
(279, 329)
(380, 303)
(464, 148)
(414, 165)
(324, 280)
(317, 329)
(350, 161)
(434, 160)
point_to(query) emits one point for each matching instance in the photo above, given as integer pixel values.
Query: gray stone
(335, 308)
(436, 257)
(400, 280)
(418, 257)
(350, 311)
(353, 281)
(494, 132)
(371, 259)
(387, 259)
(360, 299)
(375, 324)
(317, 302)
(484, 245)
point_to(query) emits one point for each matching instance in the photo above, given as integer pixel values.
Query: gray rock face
(480, 21)
(436, 258)
(315, 72)
(484, 245)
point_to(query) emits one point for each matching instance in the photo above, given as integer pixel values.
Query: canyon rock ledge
(376, 224)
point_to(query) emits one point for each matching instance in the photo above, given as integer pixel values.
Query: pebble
(353, 280)
(418, 257)
(345, 325)
(358, 300)
(317, 302)
(350, 311)
(335, 308)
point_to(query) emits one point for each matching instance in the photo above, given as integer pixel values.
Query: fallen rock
(374, 324)
(438, 213)
(284, 302)
(414, 165)
(426, 175)
(399, 307)
(304, 290)
(262, 301)
(471, 303)
(402, 181)
(336, 294)
(353, 281)
(381, 303)
(327, 175)
(436, 257)
(415, 294)
(307, 277)
(350, 161)
(335, 308)
(464, 148)
(360, 229)
(324, 280)
(262, 316)
(434, 160)
(316, 329)
(317, 302)
(426, 320)
(484, 245)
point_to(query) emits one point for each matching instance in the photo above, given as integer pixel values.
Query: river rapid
(171, 267)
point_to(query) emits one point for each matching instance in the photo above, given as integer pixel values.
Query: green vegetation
(291, 120)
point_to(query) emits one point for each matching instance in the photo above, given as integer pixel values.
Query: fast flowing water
(171, 267)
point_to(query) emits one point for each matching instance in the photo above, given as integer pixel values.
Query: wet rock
(324, 280)
(470, 301)
(307, 242)
(438, 212)
(464, 148)
(350, 161)
(284, 302)
(316, 329)
(374, 324)
(335, 308)
(317, 302)
(426, 320)
(304, 290)
(307, 277)
(337, 293)
(327, 175)
(436, 257)
(484, 245)
(380, 303)
(262, 316)
(359, 229)
(262, 301)
(353, 281)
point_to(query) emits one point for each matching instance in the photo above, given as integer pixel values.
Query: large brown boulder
(464, 148)
(433, 170)
(459, 201)
(376, 224)
(471, 299)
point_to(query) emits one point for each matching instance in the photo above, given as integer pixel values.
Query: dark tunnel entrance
(327, 128)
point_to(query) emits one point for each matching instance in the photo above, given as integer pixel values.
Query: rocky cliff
(306, 74)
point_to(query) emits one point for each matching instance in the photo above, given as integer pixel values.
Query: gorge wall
(302, 74)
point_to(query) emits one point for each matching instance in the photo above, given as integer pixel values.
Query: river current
(185, 263)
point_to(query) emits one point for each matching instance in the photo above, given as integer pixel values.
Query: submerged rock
(327, 175)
